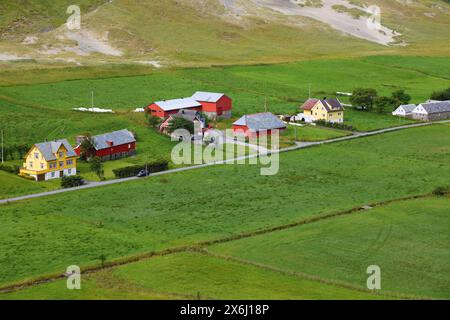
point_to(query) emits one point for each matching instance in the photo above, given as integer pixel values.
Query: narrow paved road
(299, 145)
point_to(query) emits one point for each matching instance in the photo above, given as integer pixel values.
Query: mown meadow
(408, 240)
(45, 235)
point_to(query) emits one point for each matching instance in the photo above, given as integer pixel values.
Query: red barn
(112, 145)
(164, 109)
(214, 105)
(256, 124)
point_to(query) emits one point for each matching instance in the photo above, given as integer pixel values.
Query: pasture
(45, 235)
(191, 276)
(31, 113)
(408, 240)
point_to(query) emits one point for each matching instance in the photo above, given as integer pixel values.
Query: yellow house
(50, 160)
(330, 110)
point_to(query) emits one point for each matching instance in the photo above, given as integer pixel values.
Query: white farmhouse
(432, 111)
(405, 110)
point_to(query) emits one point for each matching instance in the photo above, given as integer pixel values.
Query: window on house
(53, 174)
(31, 163)
(42, 166)
(61, 163)
(36, 155)
(61, 154)
(70, 171)
(129, 146)
(69, 162)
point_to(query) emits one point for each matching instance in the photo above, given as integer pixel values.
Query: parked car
(142, 173)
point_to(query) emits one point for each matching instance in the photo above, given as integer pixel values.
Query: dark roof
(332, 104)
(117, 138)
(437, 107)
(260, 121)
(50, 148)
(309, 104)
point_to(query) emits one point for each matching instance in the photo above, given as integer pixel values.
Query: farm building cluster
(55, 159)
(431, 110)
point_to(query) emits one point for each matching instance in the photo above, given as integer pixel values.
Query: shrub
(441, 191)
(10, 169)
(341, 126)
(131, 171)
(71, 181)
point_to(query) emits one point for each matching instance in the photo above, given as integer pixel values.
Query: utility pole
(2, 146)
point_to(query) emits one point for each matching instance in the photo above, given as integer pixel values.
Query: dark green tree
(87, 147)
(153, 121)
(401, 97)
(97, 167)
(441, 95)
(383, 104)
(181, 123)
(363, 97)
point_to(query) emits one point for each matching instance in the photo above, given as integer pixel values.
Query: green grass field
(408, 240)
(191, 276)
(43, 236)
(35, 112)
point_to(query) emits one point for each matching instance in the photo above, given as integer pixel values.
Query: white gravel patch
(339, 21)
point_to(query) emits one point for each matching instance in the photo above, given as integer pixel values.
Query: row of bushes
(131, 171)
(10, 169)
(341, 126)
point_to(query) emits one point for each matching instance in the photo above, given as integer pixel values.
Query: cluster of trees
(368, 99)
(15, 151)
(441, 95)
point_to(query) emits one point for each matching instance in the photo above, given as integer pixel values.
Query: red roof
(309, 104)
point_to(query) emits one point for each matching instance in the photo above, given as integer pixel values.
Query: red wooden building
(163, 109)
(214, 105)
(112, 145)
(257, 124)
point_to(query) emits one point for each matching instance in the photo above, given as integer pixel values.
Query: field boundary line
(336, 283)
(87, 269)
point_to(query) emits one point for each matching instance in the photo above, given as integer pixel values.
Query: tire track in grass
(336, 283)
(195, 247)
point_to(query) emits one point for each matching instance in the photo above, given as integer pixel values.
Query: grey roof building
(176, 104)
(260, 121)
(432, 111)
(207, 96)
(436, 107)
(50, 148)
(115, 138)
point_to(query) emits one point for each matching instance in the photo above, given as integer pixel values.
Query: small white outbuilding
(404, 110)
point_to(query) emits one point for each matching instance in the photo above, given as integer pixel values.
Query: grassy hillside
(19, 18)
(194, 32)
(42, 236)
